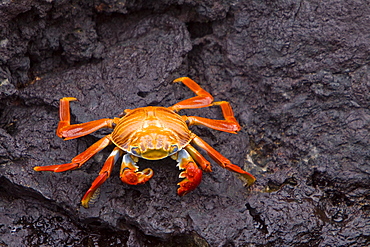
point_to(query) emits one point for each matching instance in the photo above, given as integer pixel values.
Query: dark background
(295, 72)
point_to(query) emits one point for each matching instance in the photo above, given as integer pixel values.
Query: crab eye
(174, 148)
(135, 151)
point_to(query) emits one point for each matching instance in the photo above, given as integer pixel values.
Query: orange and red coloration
(151, 133)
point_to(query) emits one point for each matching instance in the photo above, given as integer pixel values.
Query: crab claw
(129, 173)
(192, 174)
(131, 177)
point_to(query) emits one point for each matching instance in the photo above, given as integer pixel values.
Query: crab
(151, 133)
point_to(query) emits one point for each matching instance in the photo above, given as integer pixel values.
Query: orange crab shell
(151, 132)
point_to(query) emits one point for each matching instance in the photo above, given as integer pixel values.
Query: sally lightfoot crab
(151, 133)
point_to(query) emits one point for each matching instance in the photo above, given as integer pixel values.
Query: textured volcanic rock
(295, 73)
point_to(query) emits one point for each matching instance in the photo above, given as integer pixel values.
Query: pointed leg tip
(70, 99)
(42, 168)
(250, 179)
(85, 204)
(180, 79)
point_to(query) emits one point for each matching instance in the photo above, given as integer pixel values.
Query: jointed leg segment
(228, 125)
(199, 159)
(80, 159)
(103, 175)
(221, 160)
(203, 98)
(69, 131)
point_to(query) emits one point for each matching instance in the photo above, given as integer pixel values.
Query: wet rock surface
(296, 74)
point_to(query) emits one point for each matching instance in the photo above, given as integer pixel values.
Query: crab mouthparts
(154, 154)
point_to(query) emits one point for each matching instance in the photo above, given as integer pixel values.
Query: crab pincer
(192, 174)
(129, 173)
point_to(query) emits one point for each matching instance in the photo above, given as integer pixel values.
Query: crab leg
(221, 160)
(203, 98)
(80, 159)
(228, 125)
(103, 175)
(206, 166)
(192, 174)
(69, 131)
(129, 173)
